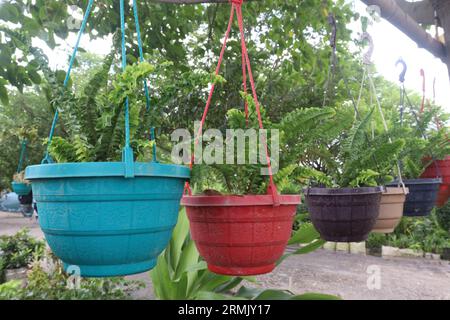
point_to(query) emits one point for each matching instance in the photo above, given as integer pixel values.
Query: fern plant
(352, 157)
(93, 118)
(246, 178)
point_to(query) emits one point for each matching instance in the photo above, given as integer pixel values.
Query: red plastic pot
(444, 172)
(240, 235)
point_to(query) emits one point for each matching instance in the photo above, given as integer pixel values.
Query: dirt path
(347, 275)
(324, 271)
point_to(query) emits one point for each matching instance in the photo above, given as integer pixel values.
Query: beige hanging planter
(391, 210)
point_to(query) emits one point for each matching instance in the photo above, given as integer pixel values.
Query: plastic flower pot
(422, 196)
(440, 168)
(21, 188)
(102, 223)
(391, 210)
(27, 210)
(240, 235)
(344, 214)
(27, 199)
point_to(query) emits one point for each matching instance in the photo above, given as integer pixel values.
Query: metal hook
(332, 23)
(368, 55)
(401, 77)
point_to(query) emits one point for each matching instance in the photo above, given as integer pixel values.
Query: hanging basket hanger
(236, 6)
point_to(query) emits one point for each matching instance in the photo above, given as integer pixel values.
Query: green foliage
(356, 137)
(422, 141)
(415, 233)
(376, 241)
(27, 116)
(93, 118)
(19, 250)
(180, 272)
(47, 281)
(365, 178)
(336, 150)
(10, 290)
(443, 216)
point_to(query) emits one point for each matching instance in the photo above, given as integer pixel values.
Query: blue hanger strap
(22, 155)
(141, 57)
(127, 153)
(141, 51)
(124, 64)
(47, 158)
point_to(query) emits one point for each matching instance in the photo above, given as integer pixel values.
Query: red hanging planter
(440, 168)
(241, 235)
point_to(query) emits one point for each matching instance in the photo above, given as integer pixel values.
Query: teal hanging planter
(106, 219)
(21, 188)
(97, 220)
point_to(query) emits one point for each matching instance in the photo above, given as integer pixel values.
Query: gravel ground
(342, 274)
(347, 275)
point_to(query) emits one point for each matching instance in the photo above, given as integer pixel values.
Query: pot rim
(104, 169)
(394, 190)
(17, 183)
(237, 200)
(342, 191)
(417, 181)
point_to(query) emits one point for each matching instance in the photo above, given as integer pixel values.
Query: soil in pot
(344, 214)
(422, 196)
(391, 210)
(240, 235)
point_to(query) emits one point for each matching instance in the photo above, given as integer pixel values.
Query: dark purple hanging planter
(344, 214)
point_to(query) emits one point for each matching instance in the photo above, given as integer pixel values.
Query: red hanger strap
(246, 67)
(272, 186)
(211, 91)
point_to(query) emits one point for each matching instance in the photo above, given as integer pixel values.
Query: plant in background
(376, 241)
(423, 143)
(20, 177)
(47, 281)
(443, 216)
(345, 154)
(180, 272)
(308, 145)
(19, 250)
(423, 234)
(239, 179)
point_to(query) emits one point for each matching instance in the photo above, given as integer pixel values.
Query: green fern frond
(356, 137)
